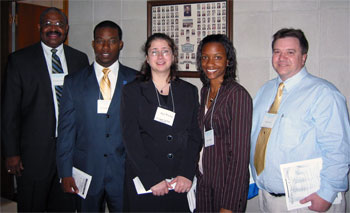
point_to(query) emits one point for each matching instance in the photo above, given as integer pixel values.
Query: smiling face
(53, 29)
(107, 46)
(287, 58)
(159, 56)
(214, 61)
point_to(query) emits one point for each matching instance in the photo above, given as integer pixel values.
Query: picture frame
(188, 22)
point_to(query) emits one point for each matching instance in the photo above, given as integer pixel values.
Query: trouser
(269, 203)
(111, 192)
(43, 195)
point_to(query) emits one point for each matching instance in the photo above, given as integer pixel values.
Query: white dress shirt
(113, 75)
(48, 58)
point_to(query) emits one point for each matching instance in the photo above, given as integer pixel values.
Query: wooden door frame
(7, 189)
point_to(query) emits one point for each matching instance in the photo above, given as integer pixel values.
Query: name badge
(269, 120)
(164, 116)
(57, 79)
(102, 106)
(209, 138)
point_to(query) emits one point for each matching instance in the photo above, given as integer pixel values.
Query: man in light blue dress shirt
(312, 122)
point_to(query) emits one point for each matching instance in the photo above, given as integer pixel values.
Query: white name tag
(57, 79)
(209, 138)
(164, 116)
(102, 106)
(269, 120)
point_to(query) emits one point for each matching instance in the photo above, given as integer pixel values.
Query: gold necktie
(261, 143)
(105, 85)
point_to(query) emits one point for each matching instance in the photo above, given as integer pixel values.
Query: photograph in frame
(187, 23)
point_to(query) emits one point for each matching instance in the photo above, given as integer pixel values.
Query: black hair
(109, 24)
(231, 68)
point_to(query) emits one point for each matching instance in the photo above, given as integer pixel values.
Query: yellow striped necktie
(105, 84)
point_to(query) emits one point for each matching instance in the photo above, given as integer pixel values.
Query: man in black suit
(30, 110)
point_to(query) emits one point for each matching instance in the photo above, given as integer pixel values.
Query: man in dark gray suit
(30, 110)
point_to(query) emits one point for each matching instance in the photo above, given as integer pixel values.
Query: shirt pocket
(289, 131)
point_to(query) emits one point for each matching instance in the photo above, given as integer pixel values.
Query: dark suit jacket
(225, 164)
(156, 151)
(85, 138)
(28, 119)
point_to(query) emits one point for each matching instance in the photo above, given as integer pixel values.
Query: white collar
(48, 49)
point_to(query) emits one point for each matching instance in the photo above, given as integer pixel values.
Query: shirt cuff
(327, 194)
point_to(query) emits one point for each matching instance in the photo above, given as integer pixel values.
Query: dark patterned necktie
(57, 69)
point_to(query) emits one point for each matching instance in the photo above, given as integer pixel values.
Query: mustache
(53, 33)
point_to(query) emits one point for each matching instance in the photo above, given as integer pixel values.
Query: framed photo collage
(188, 22)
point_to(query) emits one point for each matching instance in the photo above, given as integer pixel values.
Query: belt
(277, 195)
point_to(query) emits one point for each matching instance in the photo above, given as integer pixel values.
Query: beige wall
(326, 24)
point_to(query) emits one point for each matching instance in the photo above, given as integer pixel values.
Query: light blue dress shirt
(312, 122)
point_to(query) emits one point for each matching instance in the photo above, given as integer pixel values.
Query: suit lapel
(206, 116)
(121, 81)
(148, 92)
(40, 59)
(175, 87)
(70, 65)
(218, 103)
(91, 89)
(118, 87)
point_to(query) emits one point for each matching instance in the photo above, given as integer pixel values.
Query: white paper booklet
(191, 195)
(301, 179)
(82, 180)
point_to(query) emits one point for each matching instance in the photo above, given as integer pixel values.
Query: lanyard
(171, 93)
(212, 111)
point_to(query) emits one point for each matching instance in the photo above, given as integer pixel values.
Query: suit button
(105, 155)
(107, 135)
(169, 138)
(170, 155)
(107, 116)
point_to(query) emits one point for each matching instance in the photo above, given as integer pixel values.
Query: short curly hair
(230, 72)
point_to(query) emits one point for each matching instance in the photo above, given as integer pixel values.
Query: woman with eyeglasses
(160, 132)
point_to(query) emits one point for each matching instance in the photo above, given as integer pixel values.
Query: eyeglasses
(162, 52)
(50, 23)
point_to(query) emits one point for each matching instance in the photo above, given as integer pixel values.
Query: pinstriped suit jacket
(225, 165)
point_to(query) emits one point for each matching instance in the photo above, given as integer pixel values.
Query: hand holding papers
(82, 180)
(301, 179)
(191, 195)
(140, 189)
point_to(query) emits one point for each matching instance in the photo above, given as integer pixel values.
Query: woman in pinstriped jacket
(225, 118)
